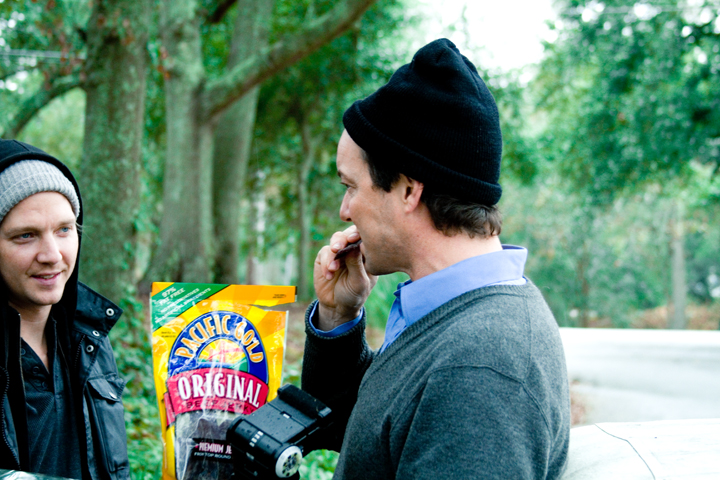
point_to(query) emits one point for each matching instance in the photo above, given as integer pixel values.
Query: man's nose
(49, 250)
(344, 210)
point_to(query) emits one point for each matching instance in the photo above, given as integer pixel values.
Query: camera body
(270, 442)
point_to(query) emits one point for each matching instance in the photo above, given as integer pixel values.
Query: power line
(37, 54)
(651, 9)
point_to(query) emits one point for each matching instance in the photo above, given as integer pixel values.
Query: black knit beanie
(436, 122)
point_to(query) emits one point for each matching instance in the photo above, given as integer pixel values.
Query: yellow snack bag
(216, 354)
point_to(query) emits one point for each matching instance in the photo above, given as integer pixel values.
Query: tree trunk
(256, 234)
(679, 282)
(110, 168)
(183, 253)
(251, 235)
(582, 272)
(305, 212)
(193, 105)
(233, 142)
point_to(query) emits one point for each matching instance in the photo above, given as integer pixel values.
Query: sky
(500, 34)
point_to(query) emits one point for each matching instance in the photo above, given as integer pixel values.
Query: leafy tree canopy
(633, 92)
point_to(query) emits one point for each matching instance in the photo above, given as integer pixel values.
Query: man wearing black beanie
(471, 379)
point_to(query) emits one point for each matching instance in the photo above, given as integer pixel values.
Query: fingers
(338, 242)
(324, 261)
(341, 283)
(329, 261)
(353, 259)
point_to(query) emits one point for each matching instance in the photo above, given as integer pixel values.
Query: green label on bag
(177, 298)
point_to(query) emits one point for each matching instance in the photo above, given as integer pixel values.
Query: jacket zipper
(2, 419)
(2, 415)
(76, 362)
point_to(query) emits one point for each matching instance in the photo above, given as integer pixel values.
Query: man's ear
(411, 191)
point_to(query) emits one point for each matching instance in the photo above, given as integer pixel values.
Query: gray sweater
(476, 389)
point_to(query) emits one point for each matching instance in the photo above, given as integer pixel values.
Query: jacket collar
(94, 312)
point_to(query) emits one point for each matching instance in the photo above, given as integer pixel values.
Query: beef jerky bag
(217, 354)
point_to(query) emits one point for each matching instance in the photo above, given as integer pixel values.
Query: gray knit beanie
(28, 177)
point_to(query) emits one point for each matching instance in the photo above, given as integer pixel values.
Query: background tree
(193, 103)
(114, 74)
(42, 58)
(632, 95)
(233, 140)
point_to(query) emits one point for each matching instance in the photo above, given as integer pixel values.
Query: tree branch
(7, 71)
(34, 104)
(10, 73)
(220, 10)
(222, 92)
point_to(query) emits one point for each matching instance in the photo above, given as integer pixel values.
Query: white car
(669, 449)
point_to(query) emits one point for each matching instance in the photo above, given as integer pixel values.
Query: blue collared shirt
(414, 300)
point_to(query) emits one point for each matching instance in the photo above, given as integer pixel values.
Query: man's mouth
(46, 276)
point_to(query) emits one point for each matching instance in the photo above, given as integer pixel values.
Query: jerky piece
(210, 425)
(348, 248)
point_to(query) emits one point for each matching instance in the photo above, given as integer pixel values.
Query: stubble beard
(385, 263)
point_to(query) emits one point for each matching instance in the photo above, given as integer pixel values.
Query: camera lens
(288, 463)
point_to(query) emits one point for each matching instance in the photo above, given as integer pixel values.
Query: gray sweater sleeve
(333, 368)
(472, 422)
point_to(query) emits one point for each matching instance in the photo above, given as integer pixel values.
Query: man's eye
(24, 236)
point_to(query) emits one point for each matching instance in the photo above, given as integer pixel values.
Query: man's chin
(48, 298)
(377, 270)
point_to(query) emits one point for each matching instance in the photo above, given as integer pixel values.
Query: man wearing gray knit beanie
(470, 381)
(59, 386)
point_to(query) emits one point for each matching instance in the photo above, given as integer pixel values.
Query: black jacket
(84, 319)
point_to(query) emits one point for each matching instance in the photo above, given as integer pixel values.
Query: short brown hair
(449, 215)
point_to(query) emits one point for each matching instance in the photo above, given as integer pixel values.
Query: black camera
(270, 442)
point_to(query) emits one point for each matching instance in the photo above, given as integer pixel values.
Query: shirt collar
(422, 296)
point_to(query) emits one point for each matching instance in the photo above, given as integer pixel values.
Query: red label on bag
(215, 389)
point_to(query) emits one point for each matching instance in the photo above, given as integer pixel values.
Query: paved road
(627, 375)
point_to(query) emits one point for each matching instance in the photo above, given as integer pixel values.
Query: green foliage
(702, 195)
(632, 93)
(625, 128)
(520, 155)
(51, 34)
(131, 342)
(43, 26)
(381, 299)
(611, 263)
(58, 128)
(319, 465)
